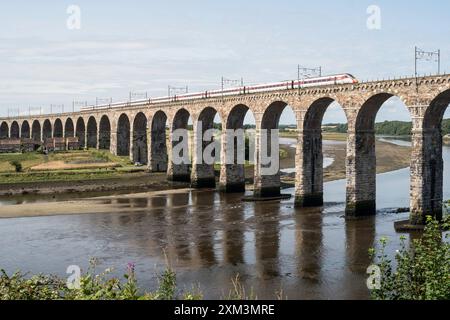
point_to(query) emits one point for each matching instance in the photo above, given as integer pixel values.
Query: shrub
(92, 287)
(423, 267)
(17, 165)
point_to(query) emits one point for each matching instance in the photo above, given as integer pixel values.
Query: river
(210, 237)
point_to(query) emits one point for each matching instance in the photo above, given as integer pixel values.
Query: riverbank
(390, 157)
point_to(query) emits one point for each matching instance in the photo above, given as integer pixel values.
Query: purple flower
(131, 267)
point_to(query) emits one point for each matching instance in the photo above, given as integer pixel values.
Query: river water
(209, 238)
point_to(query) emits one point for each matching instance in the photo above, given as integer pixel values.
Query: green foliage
(92, 287)
(17, 165)
(167, 286)
(423, 267)
(238, 292)
(389, 128)
(39, 287)
(394, 128)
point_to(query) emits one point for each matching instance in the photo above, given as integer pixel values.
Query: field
(64, 166)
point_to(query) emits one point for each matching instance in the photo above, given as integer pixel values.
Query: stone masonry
(139, 131)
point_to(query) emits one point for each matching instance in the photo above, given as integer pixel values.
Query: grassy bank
(333, 136)
(64, 166)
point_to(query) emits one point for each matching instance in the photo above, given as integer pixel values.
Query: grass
(325, 135)
(30, 160)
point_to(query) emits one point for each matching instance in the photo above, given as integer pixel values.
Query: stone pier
(138, 130)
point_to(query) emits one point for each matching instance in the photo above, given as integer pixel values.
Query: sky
(138, 46)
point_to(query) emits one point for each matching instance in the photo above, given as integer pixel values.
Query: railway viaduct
(139, 130)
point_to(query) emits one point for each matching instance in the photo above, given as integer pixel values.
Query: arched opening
(236, 150)
(104, 138)
(267, 168)
(430, 154)
(158, 152)
(140, 154)
(25, 130)
(69, 130)
(15, 130)
(205, 148)
(4, 130)
(36, 131)
(47, 130)
(58, 131)
(362, 163)
(319, 158)
(180, 160)
(81, 133)
(92, 133)
(123, 136)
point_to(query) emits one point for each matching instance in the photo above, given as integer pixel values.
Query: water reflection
(267, 240)
(209, 237)
(309, 244)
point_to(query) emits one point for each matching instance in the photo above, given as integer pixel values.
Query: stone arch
(181, 170)
(434, 114)
(361, 158)
(365, 119)
(15, 130)
(58, 129)
(80, 132)
(47, 130)
(4, 130)
(69, 130)
(140, 154)
(267, 175)
(91, 133)
(158, 149)
(36, 131)
(123, 136)
(427, 164)
(25, 131)
(203, 174)
(104, 138)
(232, 176)
(309, 173)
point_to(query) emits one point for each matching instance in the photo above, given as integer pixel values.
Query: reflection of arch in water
(309, 244)
(267, 239)
(233, 234)
(203, 221)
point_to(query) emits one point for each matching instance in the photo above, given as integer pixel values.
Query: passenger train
(345, 78)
